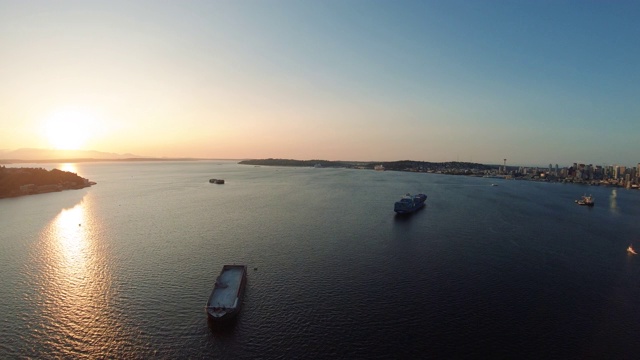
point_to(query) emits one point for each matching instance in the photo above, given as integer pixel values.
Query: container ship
(409, 203)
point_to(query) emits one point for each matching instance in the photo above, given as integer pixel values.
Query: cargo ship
(409, 203)
(225, 300)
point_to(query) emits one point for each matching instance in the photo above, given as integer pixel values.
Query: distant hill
(47, 154)
(401, 165)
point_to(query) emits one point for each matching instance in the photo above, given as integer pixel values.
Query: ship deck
(226, 296)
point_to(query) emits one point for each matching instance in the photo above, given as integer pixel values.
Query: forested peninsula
(28, 181)
(451, 167)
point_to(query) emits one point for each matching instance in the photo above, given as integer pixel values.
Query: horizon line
(164, 158)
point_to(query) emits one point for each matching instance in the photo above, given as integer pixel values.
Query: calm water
(123, 269)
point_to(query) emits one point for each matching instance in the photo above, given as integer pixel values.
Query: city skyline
(534, 82)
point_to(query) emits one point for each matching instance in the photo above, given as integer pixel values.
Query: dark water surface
(123, 269)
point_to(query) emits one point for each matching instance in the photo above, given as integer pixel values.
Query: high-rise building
(599, 172)
(581, 172)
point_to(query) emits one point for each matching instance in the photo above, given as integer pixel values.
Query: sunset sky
(536, 82)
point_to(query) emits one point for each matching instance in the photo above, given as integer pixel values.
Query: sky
(535, 82)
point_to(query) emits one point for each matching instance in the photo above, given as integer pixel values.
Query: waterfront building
(564, 172)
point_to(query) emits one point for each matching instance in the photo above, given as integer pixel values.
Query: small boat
(586, 201)
(409, 203)
(219, 181)
(494, 184)
(631, 251)
(226, 297)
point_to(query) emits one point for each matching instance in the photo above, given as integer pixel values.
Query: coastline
(577, 174)
(16, 182)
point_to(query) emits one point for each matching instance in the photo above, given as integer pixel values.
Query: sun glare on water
(68, 129)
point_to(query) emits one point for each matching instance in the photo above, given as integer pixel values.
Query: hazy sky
(536, 82)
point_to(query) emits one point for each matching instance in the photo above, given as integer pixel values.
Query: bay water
(123, 269)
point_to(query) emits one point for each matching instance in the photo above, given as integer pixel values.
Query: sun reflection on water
(73, 242)
(70, 167)
(77, 294)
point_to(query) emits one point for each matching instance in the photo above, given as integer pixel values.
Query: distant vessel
(586, 200)
(226, 298)
(378, 168)
(216, 181)
(494, 184)
(631, 251)
(409, 203)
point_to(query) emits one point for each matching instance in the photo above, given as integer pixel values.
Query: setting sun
(68, 129)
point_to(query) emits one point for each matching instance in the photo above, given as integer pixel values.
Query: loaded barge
(226, 298)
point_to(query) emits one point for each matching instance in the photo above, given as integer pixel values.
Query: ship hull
(409, 211)
(585, 204)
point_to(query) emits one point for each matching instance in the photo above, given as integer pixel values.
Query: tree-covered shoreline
(27, 181)
(401, 165)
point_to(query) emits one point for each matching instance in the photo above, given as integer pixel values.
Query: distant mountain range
(50, 154)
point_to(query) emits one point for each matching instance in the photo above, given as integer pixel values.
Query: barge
(226, 297)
